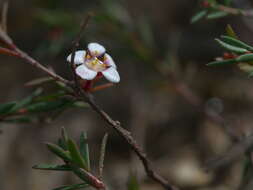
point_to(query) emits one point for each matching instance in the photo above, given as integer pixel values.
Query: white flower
(93, 61)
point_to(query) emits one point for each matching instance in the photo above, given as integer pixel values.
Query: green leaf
(52, 167)
(76, 155)
(216, 14)
(6, 107)
(48, 106)
(39, 81)
(230, 32)
(80, 104)
(62, 144)
(87, 177)
(198, 16)
(245, 58)
(84, 148)
(237, 43)
(73, 187)
(231, 47)
(59, 152)
(65, 137)
(23, 103)
(222, 62)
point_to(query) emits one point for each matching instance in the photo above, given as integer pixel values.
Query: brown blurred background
(150, 41)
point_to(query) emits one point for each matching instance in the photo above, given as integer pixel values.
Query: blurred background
(166, 96)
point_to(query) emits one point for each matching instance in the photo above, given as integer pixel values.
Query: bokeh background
(165, 91)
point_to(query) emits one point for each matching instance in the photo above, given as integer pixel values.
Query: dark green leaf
(216, 14)
(245, 58)
(76, 155)
(62, 144)
(6, 107)
(237, 43)
(222, 62)
(231, 47)
(73, 187)
(52, 167)
(59, 151)
(84, 148)
(25, 102)
(48, 106)
(198, 16)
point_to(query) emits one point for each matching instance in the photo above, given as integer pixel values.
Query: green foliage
(39, 104)
(75, 160)
(199, 15)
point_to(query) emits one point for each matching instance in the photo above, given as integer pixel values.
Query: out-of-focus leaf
(227, 2)
(52, 167)
(21, 119)
(216, 14)
(39, 81)
(133, 183)
(73, 187)
(146, 32)
(250, 74)
(59, 151)
(231, 47)
(245, 58)
(246, 67)
(76, 155)
(222, 62)
(80, 104)
(6, 107)
(237, 43)
(56, 19)
(84, 148)
(50, 97)
(48, 106)
(230, 32)
(198, 16)
(23, 103)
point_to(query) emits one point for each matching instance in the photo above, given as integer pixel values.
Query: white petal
(79, 57)
(85, 73)
(109, 61)
(111, 74)
(96, 49)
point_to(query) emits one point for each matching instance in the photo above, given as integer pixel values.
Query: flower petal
(96, 49)
(111, 74)
(79, 57)
(85, 73)
(109, 61)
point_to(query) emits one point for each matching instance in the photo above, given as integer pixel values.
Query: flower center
(95, 64)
